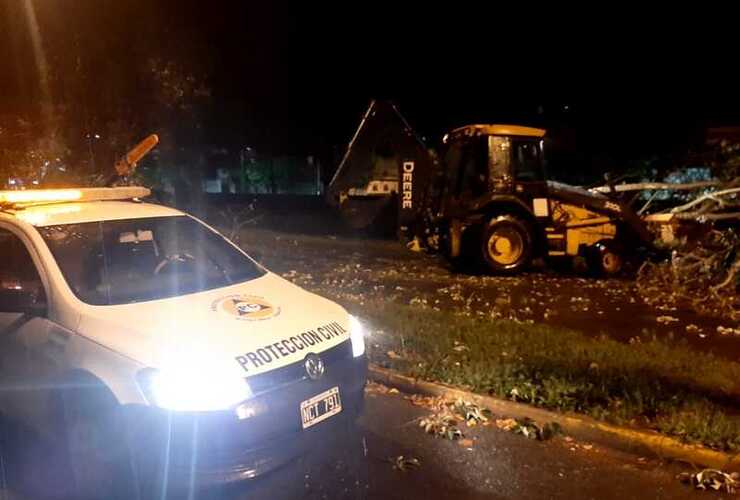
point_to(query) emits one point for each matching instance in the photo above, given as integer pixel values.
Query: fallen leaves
(433, 403)
(506, 424)
(726, 330)
(375, 388)
(574, 446)
(444, 422)
(666, 320)
(712, 479)
(441, 425)
(692, 328)
(448, 416)
(471, 413)
(466, 443)
(460, 347)
(529, 428)
(402, 463)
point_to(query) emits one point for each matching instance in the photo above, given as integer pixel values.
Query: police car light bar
(33, 196)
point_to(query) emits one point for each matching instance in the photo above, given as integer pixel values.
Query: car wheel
(95, 446)
(507, 245)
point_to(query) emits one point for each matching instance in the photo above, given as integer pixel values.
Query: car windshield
(135, 260)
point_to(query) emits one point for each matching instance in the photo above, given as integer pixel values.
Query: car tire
(95, 446)
(23, 458)
(4, 455)
(506, 245)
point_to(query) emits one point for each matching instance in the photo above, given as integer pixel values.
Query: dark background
(615, 82)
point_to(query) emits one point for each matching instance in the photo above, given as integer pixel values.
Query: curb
(624, 438)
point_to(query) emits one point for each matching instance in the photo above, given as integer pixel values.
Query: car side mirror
(21, 301)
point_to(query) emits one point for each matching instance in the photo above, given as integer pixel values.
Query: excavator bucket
(382, 179)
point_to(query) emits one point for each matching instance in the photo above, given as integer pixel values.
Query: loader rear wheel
(506, 245)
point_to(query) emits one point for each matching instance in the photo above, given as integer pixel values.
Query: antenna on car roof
(126, 165)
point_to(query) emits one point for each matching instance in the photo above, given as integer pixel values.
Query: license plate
(320, 407)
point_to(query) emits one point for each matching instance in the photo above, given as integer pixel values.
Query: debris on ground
(726, 330)
(506, 424)
(434, 403)
(466, 443)
(460, 347)
(712, 479)
(702, 274)
(529, 428)
(441, 425)
(444, 422)
(584, 447)
(665, 320)
(692, 328)
(471, 413)
(403, 463)
(375, 388)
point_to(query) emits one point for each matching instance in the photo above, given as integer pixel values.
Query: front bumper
(198, 450)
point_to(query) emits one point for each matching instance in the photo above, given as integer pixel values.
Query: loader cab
(486, 160)
(493, 196)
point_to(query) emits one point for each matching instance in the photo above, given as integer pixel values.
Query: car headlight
(193, 390)
(357, 336)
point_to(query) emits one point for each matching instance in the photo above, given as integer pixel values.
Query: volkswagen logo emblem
(314, 366)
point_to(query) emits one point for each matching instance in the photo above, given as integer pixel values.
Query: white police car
(132, 333)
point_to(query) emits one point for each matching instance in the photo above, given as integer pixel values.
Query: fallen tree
(703, 274)
(703, 271)
(717, 205)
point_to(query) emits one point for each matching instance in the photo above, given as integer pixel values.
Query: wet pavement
(357, 269)
(489, 464)
(499, 464)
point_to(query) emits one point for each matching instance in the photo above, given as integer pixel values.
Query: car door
(24, 335)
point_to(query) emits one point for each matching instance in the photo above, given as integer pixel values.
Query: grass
(650, 383)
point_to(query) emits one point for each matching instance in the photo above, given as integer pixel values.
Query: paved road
(497, 465)
(500, 464)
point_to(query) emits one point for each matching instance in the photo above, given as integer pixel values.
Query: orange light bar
(40, 195)
(32, 196)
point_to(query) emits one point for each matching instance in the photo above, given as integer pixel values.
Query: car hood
(248, 328)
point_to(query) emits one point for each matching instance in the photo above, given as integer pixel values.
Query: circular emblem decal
(246, 307)
(314, 366)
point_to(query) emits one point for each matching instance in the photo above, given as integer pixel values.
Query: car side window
(17, 269)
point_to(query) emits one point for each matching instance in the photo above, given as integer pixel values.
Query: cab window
(17, 269)
(471, 164)
(499, 157)
(527, 160)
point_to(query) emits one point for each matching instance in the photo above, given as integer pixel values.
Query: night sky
(296, 79)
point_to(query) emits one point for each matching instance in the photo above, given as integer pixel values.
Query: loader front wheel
(506, 245)
(606, 259)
